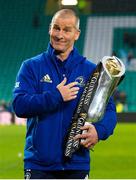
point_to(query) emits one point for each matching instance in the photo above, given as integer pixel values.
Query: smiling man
(64, 31)
(47, 95)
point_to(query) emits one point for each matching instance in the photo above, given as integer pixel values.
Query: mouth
(58, 40)
(59, 45)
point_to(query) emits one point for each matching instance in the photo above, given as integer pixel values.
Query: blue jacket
(48, 116)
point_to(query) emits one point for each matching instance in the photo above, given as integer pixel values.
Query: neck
(64, 55)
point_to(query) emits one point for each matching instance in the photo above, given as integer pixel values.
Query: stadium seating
(19, 39)
(22, 36)
(128, 85)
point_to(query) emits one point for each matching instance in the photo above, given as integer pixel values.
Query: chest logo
(46, 78)
(81, 81)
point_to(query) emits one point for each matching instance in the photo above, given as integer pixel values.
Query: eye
(67, 30)
(56, 28)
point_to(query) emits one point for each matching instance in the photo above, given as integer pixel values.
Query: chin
(57, 45)
(59, 49)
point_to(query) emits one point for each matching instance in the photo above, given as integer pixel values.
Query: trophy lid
(113, 66)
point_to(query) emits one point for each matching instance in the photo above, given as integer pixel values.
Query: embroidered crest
(81, 81)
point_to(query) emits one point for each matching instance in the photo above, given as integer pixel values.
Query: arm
(27, 101)
(106, 126)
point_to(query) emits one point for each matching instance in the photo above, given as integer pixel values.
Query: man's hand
(89, 135)
(68, 91)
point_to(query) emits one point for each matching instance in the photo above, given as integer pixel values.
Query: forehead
(64, 21)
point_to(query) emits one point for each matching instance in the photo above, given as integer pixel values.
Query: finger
(86, 142)
(90, 146)
(74, 89)
(74, 93)
(70, 85)
(86, 127)
(77, 137)
(63, 82)
(85, 145)
(73, 97)
(81, 136)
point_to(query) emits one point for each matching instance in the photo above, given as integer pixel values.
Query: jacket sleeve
(106, 125)
(27, 101)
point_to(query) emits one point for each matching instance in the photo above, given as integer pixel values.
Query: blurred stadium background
(108, 27)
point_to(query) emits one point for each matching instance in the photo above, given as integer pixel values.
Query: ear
(49, 29)
(77, 34)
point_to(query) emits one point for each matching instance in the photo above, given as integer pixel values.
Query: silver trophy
(109, 76)
(100, 86)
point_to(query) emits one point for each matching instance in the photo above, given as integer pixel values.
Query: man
(47, 92)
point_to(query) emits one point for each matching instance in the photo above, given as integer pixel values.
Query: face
(63, 34)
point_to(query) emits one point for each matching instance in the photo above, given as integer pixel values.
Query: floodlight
(69, 2)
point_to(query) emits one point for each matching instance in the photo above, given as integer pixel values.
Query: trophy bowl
(110, 74)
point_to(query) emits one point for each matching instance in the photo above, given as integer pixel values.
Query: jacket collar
(73, 59)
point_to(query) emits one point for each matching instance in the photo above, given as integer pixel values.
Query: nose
(60, 35)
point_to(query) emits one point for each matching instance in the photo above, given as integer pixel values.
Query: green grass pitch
(111, 159)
